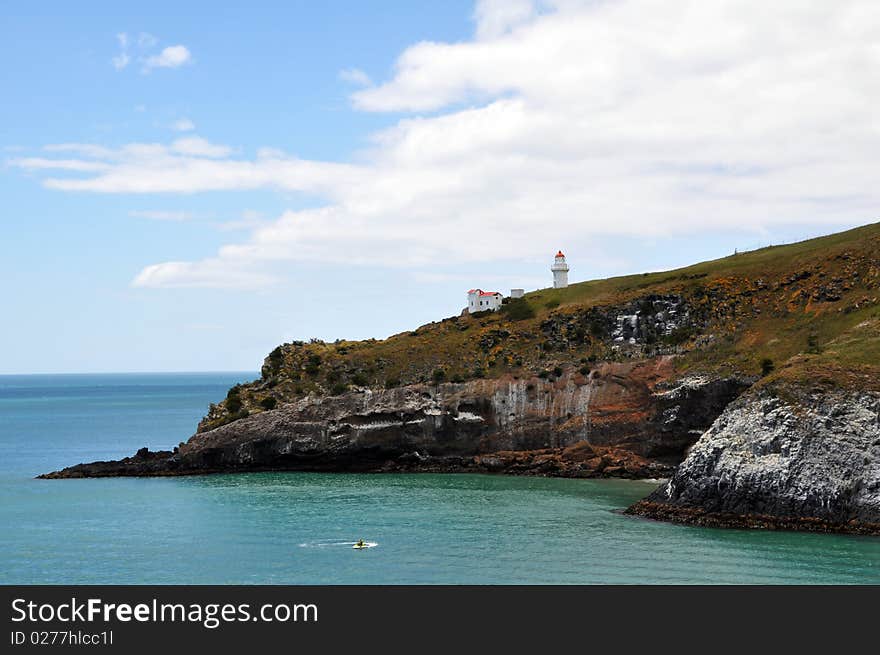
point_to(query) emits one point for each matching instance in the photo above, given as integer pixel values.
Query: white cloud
(490, 282)
(355, 76)
(173, 56)
(82, 149)
(497, 17)
(553, 127)
(162, 215)
(121, 60)
(209, 274)
(199, 147)
(43, 163)
(170, 57)
(183, 125)
(249, 220)
(187, 165)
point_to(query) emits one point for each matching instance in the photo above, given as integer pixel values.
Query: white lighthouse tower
(560, 271)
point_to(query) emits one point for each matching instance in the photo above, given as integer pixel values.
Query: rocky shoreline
(578, 461)
(781, 458)
(703, 518)
(622, 420)
(777, 457)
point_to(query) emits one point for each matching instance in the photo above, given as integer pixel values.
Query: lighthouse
(560, 271)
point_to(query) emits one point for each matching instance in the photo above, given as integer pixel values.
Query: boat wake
(327, 543)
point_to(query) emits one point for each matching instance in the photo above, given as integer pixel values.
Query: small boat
(360, 545)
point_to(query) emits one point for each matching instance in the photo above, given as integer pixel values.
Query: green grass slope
(809, 310)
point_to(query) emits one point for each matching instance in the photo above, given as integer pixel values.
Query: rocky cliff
(616, 377)
(781, 458)
(620, 419)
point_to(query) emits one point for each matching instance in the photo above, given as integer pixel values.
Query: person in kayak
(360, 543)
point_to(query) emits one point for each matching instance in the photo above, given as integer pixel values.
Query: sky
(185, 188)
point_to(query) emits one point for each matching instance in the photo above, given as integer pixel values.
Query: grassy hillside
(796, 311)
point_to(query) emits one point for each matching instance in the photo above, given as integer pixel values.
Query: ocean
(298, 528)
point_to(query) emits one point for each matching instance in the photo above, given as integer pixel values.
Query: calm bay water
(298, 527)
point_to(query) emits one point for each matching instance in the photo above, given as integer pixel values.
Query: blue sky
(215, 182)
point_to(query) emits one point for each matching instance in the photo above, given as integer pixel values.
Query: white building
(560, 271)
(517, 293)
(481, 301)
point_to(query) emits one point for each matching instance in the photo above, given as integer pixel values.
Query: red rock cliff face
(628, 412)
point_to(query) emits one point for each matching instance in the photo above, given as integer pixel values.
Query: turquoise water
(298, 527)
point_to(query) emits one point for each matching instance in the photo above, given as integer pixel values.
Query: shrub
(268, 402)
(646, 307)
(479, 372)
(390, 383)
(276, 358)
(597, 329)
(679, 336)
(557, 371)
(338, 388)
(813, 344)
(584, 370)
(233, 399)
(551, 304)
(544, 374)
(767, 366)
(518, 309)
(360, 380)
(458, 378)
(438, 375)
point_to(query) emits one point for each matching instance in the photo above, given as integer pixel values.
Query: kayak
(366, 544)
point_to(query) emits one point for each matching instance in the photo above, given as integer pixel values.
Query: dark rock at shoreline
(703, 518)
(623, 420)
(143, 463)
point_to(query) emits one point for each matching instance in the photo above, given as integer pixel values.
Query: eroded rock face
(648, 324)
(622, 409)
(792, 460)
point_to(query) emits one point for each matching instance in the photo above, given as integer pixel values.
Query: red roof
(559, 254)
(484, 293)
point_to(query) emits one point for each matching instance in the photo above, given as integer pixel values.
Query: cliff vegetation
(804, 311)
